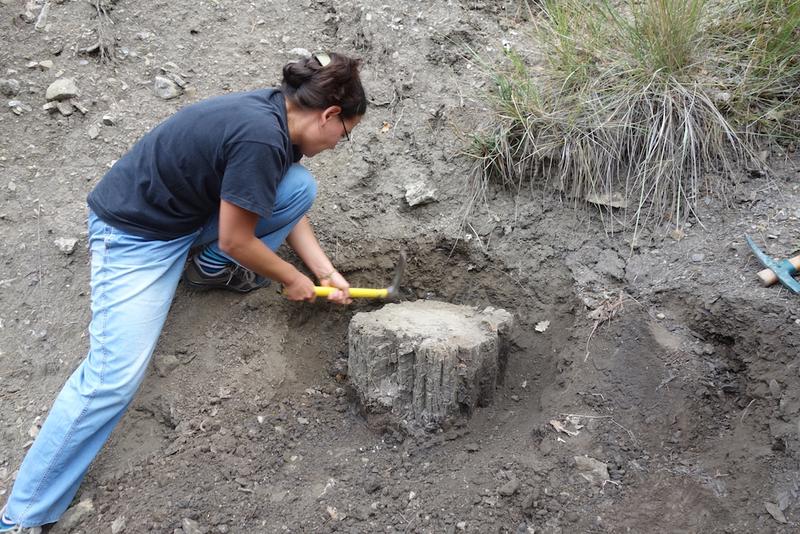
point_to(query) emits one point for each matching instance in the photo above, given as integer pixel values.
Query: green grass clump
(646, 102)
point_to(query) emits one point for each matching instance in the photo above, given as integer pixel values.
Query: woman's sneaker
(232, 277)
(7, 526)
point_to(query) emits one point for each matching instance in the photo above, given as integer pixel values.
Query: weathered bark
(426, 361)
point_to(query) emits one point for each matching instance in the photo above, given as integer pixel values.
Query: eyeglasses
(346, 133)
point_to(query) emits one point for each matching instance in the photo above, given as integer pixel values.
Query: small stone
(80, 107)
(592, 470)
(9, 87)
(472, 447)
(46, 64)
(299, 53)
(18, 107)
(775, 512)
(73, 517)
(165, 88)
(697, 258)
(118, 525)
(66, 244)
(50, 107)
(191, 526)
(660, 315)
(419, 193)
(677, 234)
(65, 107)
(164, 364)
(509, 488)
(775, 388)
(62, 89)
(108, 120)
(93, 131)
(302, 420)
(461, 525)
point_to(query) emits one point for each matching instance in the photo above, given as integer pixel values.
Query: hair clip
(323, 58)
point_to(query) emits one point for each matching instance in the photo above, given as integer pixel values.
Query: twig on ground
(605, 312)
(609, 417)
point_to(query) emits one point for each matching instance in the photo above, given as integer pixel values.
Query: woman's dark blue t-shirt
(234, 147)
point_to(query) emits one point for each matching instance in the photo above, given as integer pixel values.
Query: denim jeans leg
(294, 197)
(133, 282)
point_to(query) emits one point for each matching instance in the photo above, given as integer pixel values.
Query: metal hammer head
(783, 269)
(393, 290)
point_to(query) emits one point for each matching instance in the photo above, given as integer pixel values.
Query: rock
(73, 517)
(419, 193)
(45, 65)
(50, 107)
(775, 512)
(9, 87)
(191, 526)
(29, 14)
(677, 234)
(472, 447)
(118, 525)
(65, 107)
(80, 107)
(509, 488)
(426, 361)
(697, 258)
(41, 20)
(165, 88)
(62, 89)
(613, 200)
(66, 244)
(18, 107)
(93, 131)
(164, 364)
(775, 388)
(108, 120)
(592, 470)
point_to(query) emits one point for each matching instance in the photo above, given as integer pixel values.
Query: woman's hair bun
(298, 72)
(310, 84)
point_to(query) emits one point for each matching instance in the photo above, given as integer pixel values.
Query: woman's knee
(300, 185)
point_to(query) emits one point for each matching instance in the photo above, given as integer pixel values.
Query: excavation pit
(427, 362)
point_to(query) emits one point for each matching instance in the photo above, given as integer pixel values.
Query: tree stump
(426, 362)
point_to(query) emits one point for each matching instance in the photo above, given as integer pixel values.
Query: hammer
(783, 270)
(371, 293)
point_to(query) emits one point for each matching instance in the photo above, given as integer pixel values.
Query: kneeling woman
(220, 177)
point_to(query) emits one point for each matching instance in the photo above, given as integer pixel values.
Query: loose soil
(683, 370)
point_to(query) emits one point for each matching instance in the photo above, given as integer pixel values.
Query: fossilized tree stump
(426, 361)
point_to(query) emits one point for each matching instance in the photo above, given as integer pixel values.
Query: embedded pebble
(66, 244)
(165, 88)
(9, 87)
(62, 89)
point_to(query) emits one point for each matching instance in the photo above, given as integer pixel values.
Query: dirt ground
(663, 358)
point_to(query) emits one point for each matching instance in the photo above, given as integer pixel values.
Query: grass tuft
(643, 105)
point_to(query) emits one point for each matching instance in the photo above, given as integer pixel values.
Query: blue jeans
(133, 283)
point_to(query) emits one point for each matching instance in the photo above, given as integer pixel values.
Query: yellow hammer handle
(355, 292)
